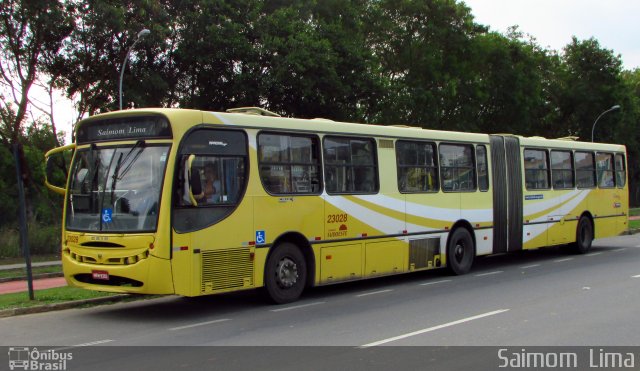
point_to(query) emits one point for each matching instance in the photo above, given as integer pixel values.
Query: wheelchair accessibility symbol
(106, 215)
(261, 237)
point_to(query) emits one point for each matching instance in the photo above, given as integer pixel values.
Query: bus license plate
(100, 275)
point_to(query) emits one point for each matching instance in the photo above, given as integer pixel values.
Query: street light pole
(602, 114)
(141, 34)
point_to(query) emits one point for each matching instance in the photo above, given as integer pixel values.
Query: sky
(614, 23)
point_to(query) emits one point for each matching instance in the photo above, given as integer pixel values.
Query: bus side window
(457, 167)
(350, 165)
(536, 169)
(562, 169)
(604, 165)
(289, 163)
(417, 166)
(483, 172)
(621, 173)
(585, 169)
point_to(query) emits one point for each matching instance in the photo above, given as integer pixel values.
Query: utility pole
(22, 216)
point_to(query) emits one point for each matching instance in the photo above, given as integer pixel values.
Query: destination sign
(135, 127)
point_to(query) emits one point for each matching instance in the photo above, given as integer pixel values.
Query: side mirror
(55, 160)
(195, 187)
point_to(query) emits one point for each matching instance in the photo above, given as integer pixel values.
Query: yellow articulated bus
(164, 201)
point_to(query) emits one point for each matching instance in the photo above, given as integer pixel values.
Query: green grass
(22, 272)
(634, 224)
(48, 296)
(34, 259)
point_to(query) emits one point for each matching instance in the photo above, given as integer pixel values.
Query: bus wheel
(460, 252)
(584, 236)
(285, 273)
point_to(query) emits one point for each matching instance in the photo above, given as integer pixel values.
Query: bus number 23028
(336, 218)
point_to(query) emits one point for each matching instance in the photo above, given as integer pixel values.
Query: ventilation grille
(422, 252)
(100, 260)
(226, 269)
(385, 143)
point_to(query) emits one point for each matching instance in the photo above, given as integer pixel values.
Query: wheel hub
(459, 252)
(286, 273)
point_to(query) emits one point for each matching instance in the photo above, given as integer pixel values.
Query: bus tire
(285, 274)
(460, 252)
(584, 236)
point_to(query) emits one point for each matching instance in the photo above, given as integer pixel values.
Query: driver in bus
(211, 189)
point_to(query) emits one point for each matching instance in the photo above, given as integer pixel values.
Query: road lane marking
(489, 273)
(530, 266)
(373, 293)
(594, 253)
(298, 306)
(638, 276)
(562, 260)
(92, 343)
(434, 328)
(97, 342)
(434, 283)
(622, 249)
(199, 324)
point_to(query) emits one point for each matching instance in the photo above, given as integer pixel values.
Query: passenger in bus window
(211, 191)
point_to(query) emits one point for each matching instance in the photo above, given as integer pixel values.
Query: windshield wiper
(94, 163)
(117, 175)
(116, 172)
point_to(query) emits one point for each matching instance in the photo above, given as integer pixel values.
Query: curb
(61, 306)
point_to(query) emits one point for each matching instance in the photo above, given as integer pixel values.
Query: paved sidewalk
(38, 284)
(22, 286)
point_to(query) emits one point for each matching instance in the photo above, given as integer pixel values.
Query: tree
(316, 60)
(629, 131)
(88, 67)
(589, 83)
(513, 83)
(30, 31)
(423, 47)
(216, 56)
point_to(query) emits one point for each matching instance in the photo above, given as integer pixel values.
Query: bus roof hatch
(253, 111)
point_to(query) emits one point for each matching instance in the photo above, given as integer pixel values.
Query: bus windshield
(116, 189)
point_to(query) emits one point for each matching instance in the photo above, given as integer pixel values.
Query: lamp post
(613, 108)
(141, 34)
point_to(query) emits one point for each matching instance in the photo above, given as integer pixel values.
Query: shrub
(42, 240)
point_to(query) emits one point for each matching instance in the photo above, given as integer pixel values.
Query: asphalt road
(537, 298)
